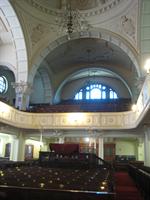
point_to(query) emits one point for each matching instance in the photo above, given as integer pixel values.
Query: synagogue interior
(75, 99)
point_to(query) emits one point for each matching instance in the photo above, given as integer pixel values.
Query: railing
(72, 160)
(18, 193)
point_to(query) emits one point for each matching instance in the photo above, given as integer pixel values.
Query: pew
(141, 176)
(88, 180)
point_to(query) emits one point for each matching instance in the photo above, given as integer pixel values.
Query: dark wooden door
(109, 152)
(7, 150)
(29, 152)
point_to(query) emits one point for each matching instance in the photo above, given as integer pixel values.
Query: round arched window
(95, 91)
(3, 84)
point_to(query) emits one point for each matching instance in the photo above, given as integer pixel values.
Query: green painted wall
(125, 147)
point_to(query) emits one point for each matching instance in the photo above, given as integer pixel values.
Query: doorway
(109, 152)
(29, 152)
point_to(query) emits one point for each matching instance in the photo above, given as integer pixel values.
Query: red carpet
(125, 187)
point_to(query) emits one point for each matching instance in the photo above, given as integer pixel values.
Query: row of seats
(40, 182)
(98, 106)
(141, 176)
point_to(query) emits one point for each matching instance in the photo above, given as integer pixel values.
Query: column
(147, 147)
(14, 149)
(101, 148)
(61, 140)
(140, 149)
(23, 91)
(21, 147)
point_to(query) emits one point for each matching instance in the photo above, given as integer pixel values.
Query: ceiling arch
(94, 49)
(100, 34)
(13, 34)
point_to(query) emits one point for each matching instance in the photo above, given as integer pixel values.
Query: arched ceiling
(91, 57)
(87, 52)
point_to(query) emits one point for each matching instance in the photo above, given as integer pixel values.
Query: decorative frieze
(128, 26)
(98, 6)
(75, 121)
(23, 91)
(37, 33)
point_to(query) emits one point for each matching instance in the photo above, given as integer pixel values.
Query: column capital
(23, 91)
(22, 87)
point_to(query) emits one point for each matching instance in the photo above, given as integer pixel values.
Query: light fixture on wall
(147, 66)
(71, 20)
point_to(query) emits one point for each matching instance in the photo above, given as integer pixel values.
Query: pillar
(101, 148)
(23, 91)
(140, 149)
(61, 140)
(21, 147)
(147, 147)
(14, 150)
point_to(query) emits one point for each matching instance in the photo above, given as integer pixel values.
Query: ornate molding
(128, 26)
(106, 121)
(102, 7)
(16, 118)
(22, 87)
(37, 33)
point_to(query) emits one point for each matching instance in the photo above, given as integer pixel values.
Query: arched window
(3, 84)
(95, 91)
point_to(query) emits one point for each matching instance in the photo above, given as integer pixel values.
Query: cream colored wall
(37, 147)
(8, 55)
(141, 152)
(4, 139)
(125, 147)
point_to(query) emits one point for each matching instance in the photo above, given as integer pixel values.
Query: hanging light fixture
(71, 20)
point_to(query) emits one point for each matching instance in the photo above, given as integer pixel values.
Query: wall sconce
(147, 66)
(75, 118)
(87, 139)
(134, 107)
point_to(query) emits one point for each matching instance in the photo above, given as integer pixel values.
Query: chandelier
(71, 20)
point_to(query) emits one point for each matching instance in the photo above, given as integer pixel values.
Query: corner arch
(8, 13)
(94, 33)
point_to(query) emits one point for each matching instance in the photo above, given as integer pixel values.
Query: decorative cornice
(107, 121)
(90, 12)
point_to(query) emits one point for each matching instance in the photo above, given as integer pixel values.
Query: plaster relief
(128, 26)
(37, 33)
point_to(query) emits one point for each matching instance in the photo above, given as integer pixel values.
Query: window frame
(3, 84)
(106, 92)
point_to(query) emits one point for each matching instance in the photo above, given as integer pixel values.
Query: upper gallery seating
(114, 105)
